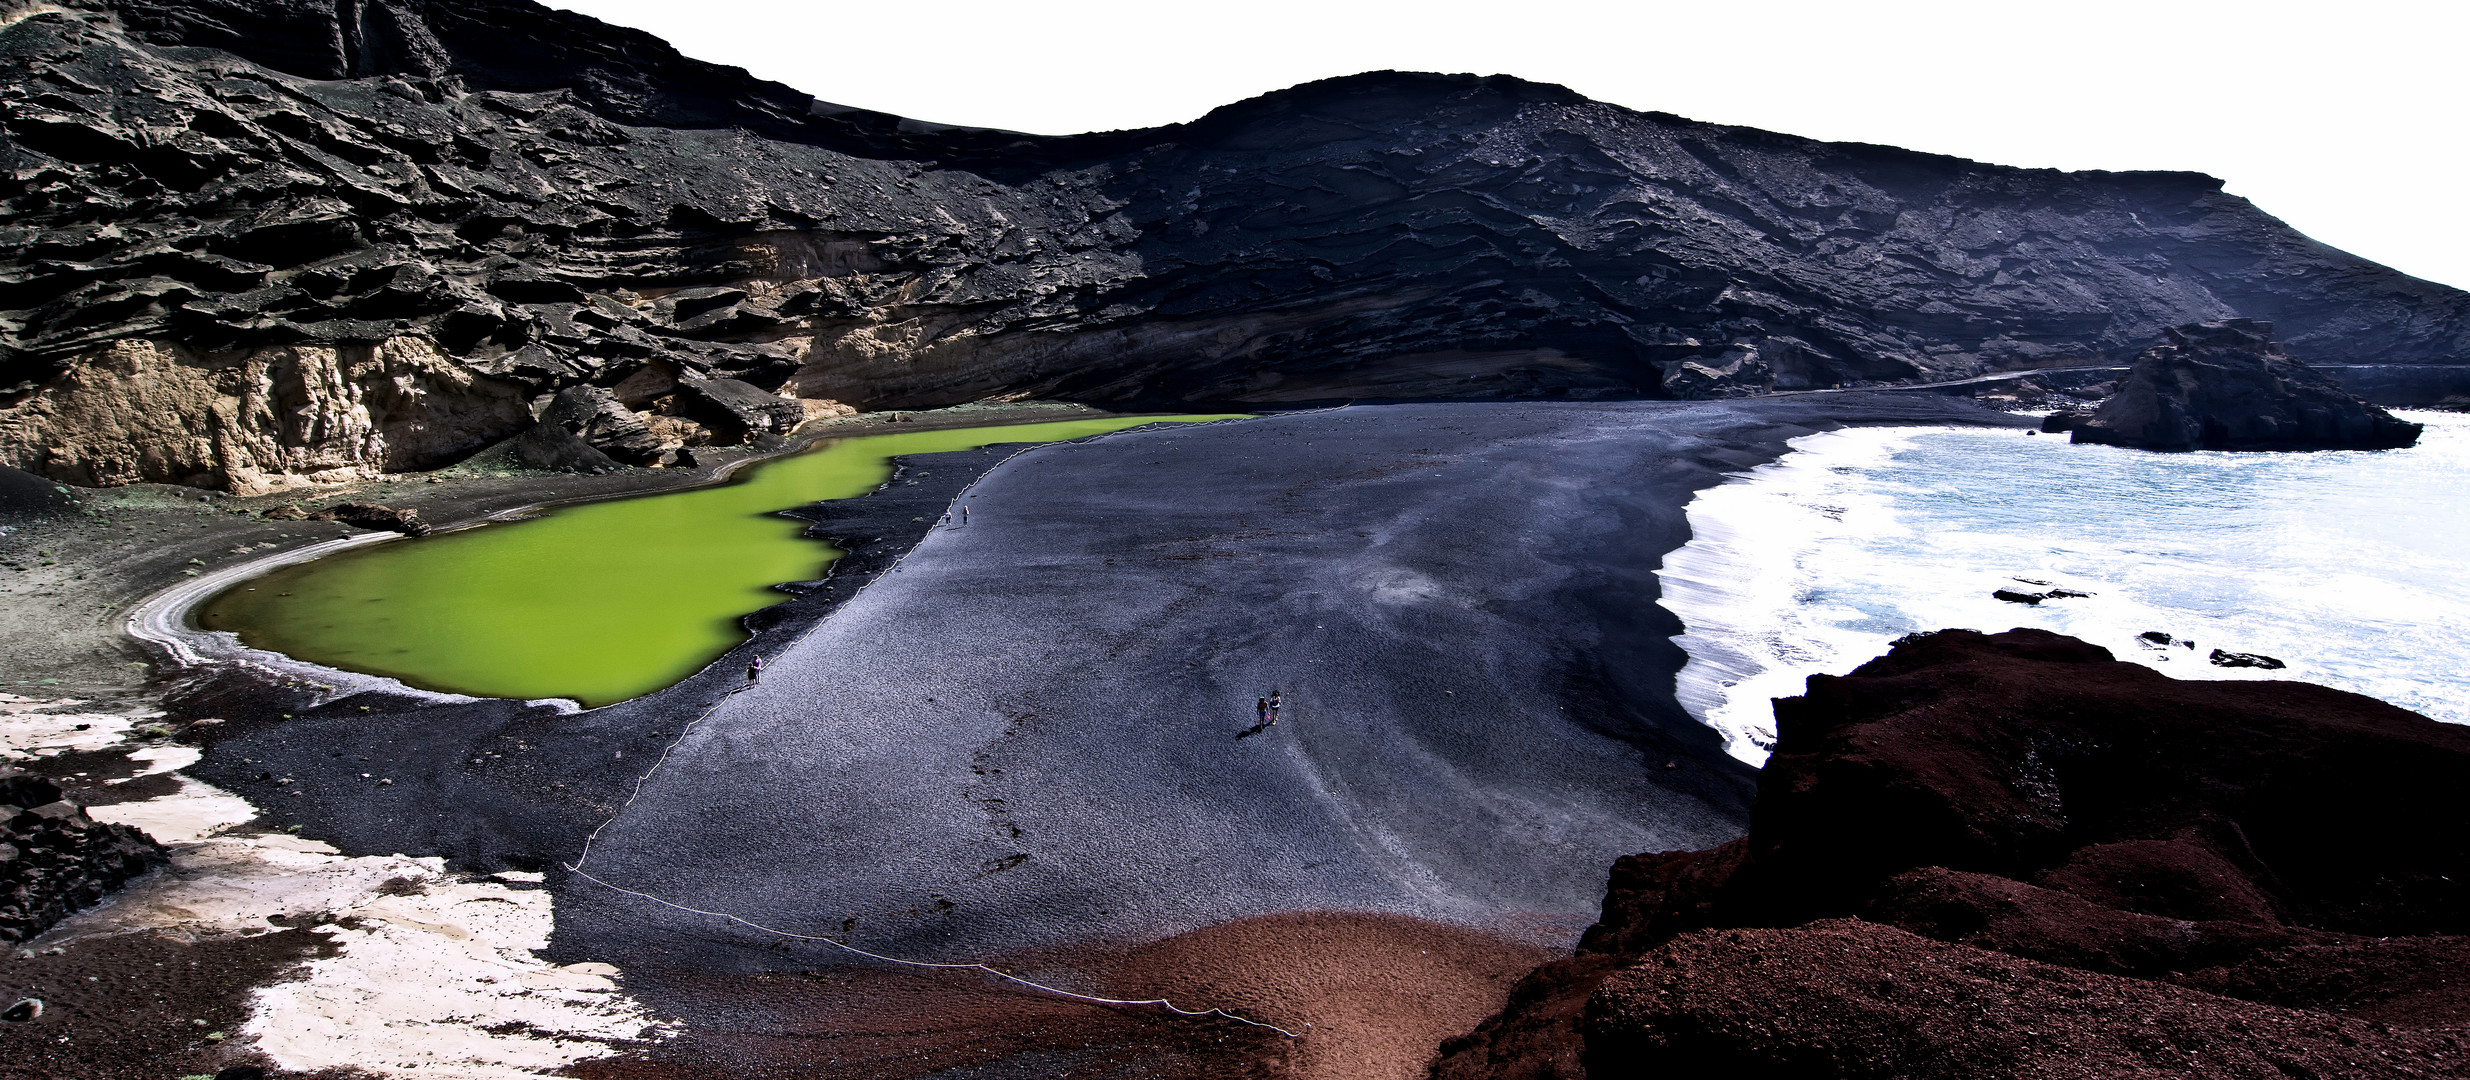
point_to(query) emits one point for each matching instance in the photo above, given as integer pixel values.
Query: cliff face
(2012, 855)
(553, 202)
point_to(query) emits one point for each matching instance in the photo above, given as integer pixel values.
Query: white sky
(2350, 119)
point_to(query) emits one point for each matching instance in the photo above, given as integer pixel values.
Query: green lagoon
(598, 602)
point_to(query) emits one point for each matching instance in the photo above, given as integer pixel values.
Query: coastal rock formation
(2228, 386)
(54, 860)
(259, 421)
(2011, 854)
(551, 202)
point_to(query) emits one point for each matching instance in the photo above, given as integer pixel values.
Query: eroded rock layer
(552, 202)
(2012, 855)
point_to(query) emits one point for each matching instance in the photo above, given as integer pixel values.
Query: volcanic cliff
(256, 241)
(2009, 855)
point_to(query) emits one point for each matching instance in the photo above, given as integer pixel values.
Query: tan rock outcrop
(151, 411)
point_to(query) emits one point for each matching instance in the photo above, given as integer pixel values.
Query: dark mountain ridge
(333, 238)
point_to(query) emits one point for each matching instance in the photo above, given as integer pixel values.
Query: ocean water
(2353, 567)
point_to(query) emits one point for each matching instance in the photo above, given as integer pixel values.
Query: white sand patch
(162, 759)
(435, 976)
(197, 811)
(445, 985)
(35, 727)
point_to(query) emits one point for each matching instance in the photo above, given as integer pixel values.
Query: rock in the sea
(2225, 658)
(374, 516)
(2018, 596)
(56, 861)
(2228, 386)
(2271, 862)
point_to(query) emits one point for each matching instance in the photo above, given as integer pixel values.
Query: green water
(598, 602)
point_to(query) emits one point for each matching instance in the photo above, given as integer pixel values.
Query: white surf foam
(2353, 567)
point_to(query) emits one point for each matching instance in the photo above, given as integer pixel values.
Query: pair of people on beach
(1268, 708)
(947, 517)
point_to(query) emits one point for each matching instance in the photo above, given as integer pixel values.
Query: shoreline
(65, 616)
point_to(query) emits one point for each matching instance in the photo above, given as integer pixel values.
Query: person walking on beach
(1274, 703)
(964, 514)
(754, 670)
(1263, 709)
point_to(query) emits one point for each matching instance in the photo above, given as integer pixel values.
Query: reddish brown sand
(128, 1007)
(1371, 995)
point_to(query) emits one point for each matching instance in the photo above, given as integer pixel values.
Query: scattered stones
(2225, 658)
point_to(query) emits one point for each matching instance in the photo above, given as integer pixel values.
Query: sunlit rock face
(554, 202)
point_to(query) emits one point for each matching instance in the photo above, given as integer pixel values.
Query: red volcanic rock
(1843, 999)
(2025, 797)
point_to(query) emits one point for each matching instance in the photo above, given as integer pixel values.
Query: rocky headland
(2011, 855)
(253, 245)
(2228, 385)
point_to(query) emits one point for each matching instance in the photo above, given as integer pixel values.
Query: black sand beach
(1019, 741)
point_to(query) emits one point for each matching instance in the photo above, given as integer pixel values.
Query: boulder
(374, 516)
(54, 860)
(595, 416)
(553, 448)
(735, 411)
(2228, 386)
(2225, 658)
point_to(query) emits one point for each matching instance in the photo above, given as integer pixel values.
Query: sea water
(2353, 567)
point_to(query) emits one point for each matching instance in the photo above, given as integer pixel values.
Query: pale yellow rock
(151, 411)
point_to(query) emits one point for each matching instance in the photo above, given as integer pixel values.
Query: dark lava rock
(2224, 658)
(2017, 596)
(2220, 852)
(54, 860)
(2228, 386)
(1844, 999)
(373, 516)
(553, 202)
(2063, 421)
(599, 423)
(23, 494)
(736, 411)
